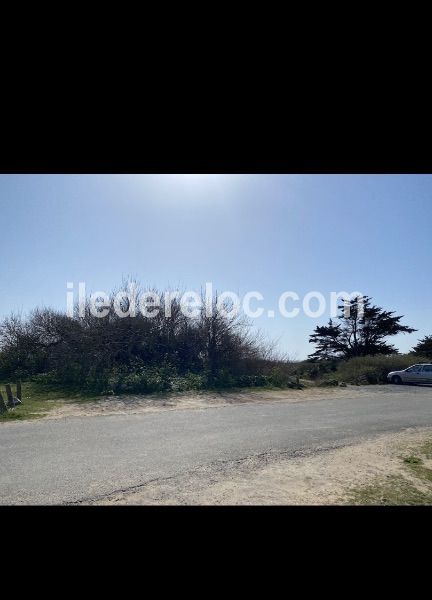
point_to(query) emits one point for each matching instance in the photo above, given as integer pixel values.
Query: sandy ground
(323, 477)
(192, 400)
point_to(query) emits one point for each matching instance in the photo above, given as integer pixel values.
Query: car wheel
(396, 379)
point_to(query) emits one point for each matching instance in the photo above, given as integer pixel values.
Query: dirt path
(113, 405)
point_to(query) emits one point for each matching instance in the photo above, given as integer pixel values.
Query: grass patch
(397, 489)
(417, 467)
(37, 400)
(426, 450)
(412, 460)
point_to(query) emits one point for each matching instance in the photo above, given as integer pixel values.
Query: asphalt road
(83, 458)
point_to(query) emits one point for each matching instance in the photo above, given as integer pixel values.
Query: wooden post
(9, 395)
(19, 392)
(3, 407)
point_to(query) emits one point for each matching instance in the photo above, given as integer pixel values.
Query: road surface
(81, 459)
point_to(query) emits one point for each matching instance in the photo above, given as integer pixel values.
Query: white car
(421, 373)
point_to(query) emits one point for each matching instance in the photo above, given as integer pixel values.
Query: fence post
(3, 407)
(9, 395)
(18, 391)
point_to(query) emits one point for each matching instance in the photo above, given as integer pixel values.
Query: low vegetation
(412, 487)
(360, 370)
(37, 400)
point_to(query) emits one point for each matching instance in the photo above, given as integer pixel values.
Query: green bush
(224, 379)
(147, 380)
(45, 378)
(315, 370)
(253, 381)
(280, 378)
(190, 381)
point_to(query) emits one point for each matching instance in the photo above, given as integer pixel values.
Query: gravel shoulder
(373, 471)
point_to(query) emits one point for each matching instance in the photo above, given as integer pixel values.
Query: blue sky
(269, 233)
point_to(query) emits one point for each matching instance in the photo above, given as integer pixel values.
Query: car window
(414, 369)
(428, 368)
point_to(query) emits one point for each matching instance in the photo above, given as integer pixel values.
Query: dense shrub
(280, 377)
(316, 370)
(374, 369)
(138, 354)
(253, 381)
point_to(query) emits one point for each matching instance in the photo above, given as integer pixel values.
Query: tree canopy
(424, 347)
(361, 330)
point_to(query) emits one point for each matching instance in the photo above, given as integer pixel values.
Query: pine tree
(361, 331)
(424, 347)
